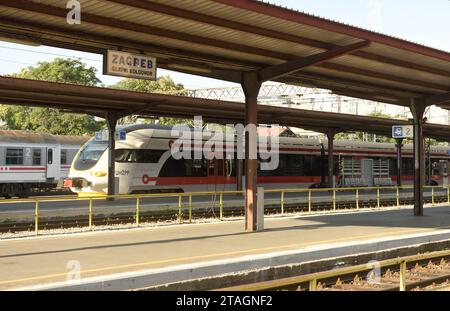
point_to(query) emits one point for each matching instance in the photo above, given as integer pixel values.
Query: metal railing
(310, 195)
(314, 278)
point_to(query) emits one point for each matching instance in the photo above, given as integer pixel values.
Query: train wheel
(26, 192)
(5, 191)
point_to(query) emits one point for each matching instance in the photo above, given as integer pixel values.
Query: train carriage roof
(30, 137)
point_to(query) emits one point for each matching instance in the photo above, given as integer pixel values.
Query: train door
(216, 168)
(216, 172)
(53, 164)
(367, 171)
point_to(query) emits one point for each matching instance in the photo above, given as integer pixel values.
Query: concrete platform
(145, 257)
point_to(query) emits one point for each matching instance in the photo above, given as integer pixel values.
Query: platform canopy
(247, 42)
(99, 101)
(223, 38)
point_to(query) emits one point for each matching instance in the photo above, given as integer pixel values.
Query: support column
(330, 136)
(323, 172)
(111, 121)
(418, 110)
(399, 146)
(239, 173)
(428, 164)
(251, 86)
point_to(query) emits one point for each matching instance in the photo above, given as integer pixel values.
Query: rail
(185, 200)
(314, 278)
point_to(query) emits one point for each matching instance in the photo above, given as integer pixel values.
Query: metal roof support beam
(277, 71)
(418, 110)
(399, 145)
(325, 82)
(269, 33)
(149, 30)
(384, 76)
(128, 112)
(438, 99)
(251, 86)
(330, 135)
(111, 121)
(77, 111)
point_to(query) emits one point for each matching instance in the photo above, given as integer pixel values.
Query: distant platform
(136, 258)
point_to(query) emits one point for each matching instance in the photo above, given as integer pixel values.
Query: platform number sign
(104, 136)
(403, 131)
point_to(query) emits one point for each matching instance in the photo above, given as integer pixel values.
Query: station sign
(123, 64)
(402, 131)
(104, 135)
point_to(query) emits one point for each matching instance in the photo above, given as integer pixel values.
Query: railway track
(412, 273)
(43, 193)
(197, 213)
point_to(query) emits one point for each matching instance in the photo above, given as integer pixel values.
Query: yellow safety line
(218, 255)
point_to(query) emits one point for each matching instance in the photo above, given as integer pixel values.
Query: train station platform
(137, 258)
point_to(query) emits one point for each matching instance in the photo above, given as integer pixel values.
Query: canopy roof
(222, 38)
(99, 101)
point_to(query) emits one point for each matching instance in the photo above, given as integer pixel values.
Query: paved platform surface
(44, 260)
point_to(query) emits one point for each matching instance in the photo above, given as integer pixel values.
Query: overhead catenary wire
(49, 53)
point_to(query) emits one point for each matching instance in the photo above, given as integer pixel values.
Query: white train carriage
(32, 161)
(144, 164)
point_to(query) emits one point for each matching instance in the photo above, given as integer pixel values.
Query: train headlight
(99, 174)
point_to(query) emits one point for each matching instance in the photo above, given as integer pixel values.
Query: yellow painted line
(196, 258)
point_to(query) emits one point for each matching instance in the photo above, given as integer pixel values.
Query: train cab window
(63, 157)
(37, 157)
(90, 154)
(14, 156)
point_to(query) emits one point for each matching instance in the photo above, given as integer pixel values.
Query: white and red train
(32, 161)
(144, 164)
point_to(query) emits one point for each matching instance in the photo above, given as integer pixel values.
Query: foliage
(61, 70)
(50, 120)
(163, 85)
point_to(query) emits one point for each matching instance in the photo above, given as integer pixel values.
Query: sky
(420, 21)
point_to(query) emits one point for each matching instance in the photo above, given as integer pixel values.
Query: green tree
(63, 70)
(50, 120)
(163, 85)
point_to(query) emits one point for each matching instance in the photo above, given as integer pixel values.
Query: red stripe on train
(173, 181)
(27, 169)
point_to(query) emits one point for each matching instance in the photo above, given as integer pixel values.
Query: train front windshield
(90, 154)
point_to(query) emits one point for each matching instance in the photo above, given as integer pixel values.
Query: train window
(63, 157)
(196, 167)
(408, 167)
(37, 157)
(175, 168)
(14, 156)
(295, 165)
(50, 156)
(90, 154)
(149, 156)
(139, 155)
(124, 155)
